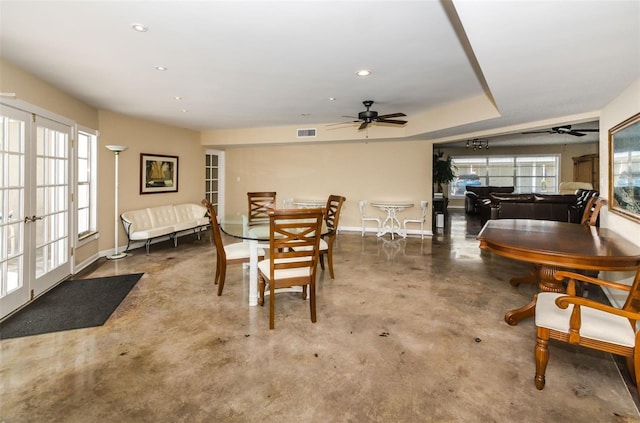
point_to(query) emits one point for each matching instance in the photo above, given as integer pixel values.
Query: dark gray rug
(73, 304)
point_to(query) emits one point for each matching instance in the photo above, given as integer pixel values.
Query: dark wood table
(552, 246)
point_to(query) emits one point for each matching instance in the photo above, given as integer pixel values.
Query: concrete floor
(409, 331)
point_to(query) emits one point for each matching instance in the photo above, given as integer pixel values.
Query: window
(86, 189)
(525, 173)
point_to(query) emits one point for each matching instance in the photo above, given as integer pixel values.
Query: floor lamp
(117, 149)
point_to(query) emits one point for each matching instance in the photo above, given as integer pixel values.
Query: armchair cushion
(596, 324)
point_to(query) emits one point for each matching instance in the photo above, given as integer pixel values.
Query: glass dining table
(257, 235)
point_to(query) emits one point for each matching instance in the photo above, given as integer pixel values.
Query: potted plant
(443, 171)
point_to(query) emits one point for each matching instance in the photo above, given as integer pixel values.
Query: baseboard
(85, 263)
(374, 231)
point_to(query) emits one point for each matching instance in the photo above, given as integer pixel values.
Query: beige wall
(142, 136)
(622, 108)
(398, 170)
(29, 88)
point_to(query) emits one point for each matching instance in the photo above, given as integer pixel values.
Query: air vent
(307, 133)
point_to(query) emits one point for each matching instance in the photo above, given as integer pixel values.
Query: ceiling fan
(564, 130)
(370, 116)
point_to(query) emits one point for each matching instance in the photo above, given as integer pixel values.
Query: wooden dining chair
(331, 218)
(582, 321)
(294, 240)
(260, 204)
(592, 211)
(226, 254)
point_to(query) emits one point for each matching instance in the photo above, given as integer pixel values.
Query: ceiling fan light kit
(371, 116)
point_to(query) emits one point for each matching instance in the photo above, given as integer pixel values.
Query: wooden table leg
(514, 316)
(546, 283)
(529, 279)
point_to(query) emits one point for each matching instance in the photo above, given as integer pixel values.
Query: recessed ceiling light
(184, 110)
(305, 114)
(332, 99)
(363, 72)
(161, 68)
(139, 27)
(177, 97)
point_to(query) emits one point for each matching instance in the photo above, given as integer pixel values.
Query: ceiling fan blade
(364, 125)
(575, 133)
(341, 123)
(391, 115)
(395, 122)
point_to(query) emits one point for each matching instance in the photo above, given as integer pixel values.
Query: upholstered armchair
(582, 321)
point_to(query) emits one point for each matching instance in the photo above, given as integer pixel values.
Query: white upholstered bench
(154, 222)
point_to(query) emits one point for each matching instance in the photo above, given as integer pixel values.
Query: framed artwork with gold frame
(624, 168)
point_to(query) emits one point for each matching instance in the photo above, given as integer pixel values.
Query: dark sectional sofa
(475, 196)
(558, 207)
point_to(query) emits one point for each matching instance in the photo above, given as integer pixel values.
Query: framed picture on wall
(624, 168)
(158, 173)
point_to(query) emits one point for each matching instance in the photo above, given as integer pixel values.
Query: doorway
(214, 179)
(35, 198)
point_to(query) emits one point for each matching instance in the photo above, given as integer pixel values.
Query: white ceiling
(241, 64)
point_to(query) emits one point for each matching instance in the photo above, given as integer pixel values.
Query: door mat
(73, 304)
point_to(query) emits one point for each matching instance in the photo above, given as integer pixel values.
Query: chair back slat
(291, 229)
(260, 204)
(592, 210)
(333, 208)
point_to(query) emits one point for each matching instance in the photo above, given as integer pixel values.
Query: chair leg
(312, 301)
(223, 275)
(272, 306)
(217, 278)
(542, 356)
(634, 367)
(321, 260)
(330, 262)
(330, 259)
(261, 284)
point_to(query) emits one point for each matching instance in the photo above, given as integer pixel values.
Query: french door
(35, 204)
(214, 179)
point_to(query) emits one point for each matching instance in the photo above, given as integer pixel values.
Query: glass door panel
(14, 287)
(52, 204)
(214, 182)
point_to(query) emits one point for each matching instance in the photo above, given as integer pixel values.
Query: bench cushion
(189, 212)
(153, 222)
